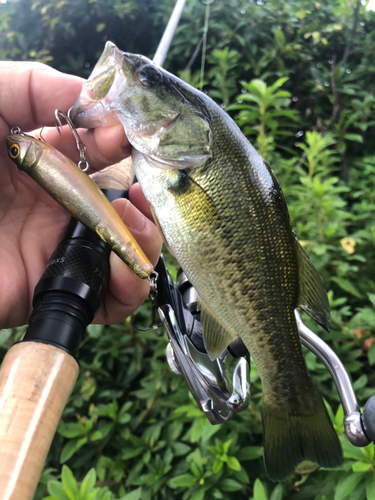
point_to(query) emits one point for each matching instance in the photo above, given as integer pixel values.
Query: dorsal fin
(312, 297)
(215, 336)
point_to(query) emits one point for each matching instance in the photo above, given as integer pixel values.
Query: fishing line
(204, 45)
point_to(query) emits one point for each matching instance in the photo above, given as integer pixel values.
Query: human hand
(31, 222)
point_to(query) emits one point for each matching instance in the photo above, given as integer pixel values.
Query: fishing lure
(76, 192)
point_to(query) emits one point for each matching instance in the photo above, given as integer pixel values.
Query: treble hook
(41, 136)
(153, 280)
(83, 164)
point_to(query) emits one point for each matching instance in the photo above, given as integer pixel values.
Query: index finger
(30, 93)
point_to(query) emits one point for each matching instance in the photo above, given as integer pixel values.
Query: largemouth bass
(79, 195)
(223, 216)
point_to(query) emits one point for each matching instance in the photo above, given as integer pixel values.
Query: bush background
(298, 77)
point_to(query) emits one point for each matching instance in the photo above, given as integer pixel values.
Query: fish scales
(222, 214)
(253, 262)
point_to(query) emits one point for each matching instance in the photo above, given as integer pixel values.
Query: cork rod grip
(35, 382)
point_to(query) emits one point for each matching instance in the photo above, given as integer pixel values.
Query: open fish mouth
(91, 109)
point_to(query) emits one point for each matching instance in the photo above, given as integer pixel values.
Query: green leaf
(133, 495)
(228, 484)
(354, 137)
(198, 495)
(209, 430)
(360, 383)
(347, 485)
(371, 296)
(370, 486)
(217, 466)
(182, 481)
(242, 476)
(347, 286)
(368, 452)
(124, 418)
(371, 354)
(104, 494)
(233, 463)
(69, 483)
(56, 490)
(70, 430)
(339, 417)
(95, 331)
(131, 453)
(174, 430)
(361, 467)
(88, 483)
(92, 495)
(70, 448)
(259, 491)
(96, 436)
(180, 449)
(279, 38)
(277, 493)
(279, 82)
(350, 451)
(302, 13)
(250, 453)
(226, 446)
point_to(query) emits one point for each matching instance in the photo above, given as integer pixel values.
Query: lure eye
(149, 76)
(14, 151)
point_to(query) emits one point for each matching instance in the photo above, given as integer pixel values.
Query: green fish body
(222, 214)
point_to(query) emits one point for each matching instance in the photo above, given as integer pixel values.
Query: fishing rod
(38, 374)
(165, 42)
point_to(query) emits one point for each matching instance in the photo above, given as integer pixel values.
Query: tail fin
(290, 436)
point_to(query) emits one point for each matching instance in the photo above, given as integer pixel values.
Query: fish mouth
(89, 113)
(86, 114)
(92, 108)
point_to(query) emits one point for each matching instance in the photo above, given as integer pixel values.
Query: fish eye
(14, 151)
(149, 76)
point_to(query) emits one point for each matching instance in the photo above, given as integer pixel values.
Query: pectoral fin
(312, 297)
(215, 336)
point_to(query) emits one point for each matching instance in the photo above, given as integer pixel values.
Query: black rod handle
(71, 289)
